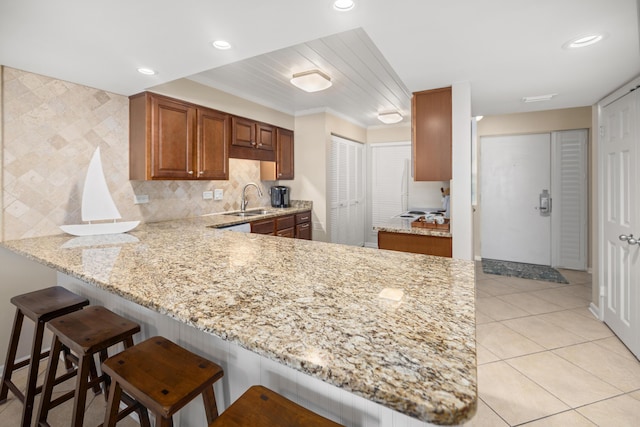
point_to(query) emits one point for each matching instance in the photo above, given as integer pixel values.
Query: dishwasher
(241, 228)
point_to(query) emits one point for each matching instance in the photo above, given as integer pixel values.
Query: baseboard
(595, 311)
(370, 245)
(17, 361)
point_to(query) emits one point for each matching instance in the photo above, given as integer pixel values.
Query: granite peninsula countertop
(316, 307)
(402, 225)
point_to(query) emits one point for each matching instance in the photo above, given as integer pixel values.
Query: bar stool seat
(41, 307)
(261, 407)
(86, 332)
(163, 377)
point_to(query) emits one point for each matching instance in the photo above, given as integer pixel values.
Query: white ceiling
(505, 49)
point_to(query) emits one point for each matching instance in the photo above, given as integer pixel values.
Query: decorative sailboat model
(98, 205)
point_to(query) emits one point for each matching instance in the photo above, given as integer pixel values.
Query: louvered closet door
(569, 192)
(346, 192)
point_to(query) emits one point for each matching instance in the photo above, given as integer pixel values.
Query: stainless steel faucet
(243, 202)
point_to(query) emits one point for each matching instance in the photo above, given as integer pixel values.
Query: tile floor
(11, 411)
(544, 360)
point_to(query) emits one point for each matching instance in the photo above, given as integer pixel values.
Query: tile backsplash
(51, 129)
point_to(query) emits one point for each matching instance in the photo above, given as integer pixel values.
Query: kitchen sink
(250, 212)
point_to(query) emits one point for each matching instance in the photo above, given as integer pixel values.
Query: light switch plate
(218, 194)
(207, 195)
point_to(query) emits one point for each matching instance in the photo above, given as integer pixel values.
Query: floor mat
(522, 270)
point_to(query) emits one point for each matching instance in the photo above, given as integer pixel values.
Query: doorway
(533, 196)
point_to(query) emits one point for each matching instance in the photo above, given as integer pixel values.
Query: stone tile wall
(51, 129)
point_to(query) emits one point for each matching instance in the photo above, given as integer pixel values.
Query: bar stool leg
(210, 406)
(47, 389)
(11, 355)
(82, 381)
(32, 378)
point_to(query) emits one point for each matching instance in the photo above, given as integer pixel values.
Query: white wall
(461, 208)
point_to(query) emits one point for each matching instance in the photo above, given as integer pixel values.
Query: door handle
(545, 203)
(629, 239)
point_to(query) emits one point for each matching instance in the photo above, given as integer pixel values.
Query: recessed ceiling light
(390, 117)
(221, 44)
(311, 81)
(583, 41)
(147, 71)
(343, 5)
(539, 98)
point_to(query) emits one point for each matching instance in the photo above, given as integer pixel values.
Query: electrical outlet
(207, 195)
(218, 194)
(139, 199)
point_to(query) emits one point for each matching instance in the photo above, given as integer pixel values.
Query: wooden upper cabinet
(243, 132)
(431, 134)
(172, 139)
(212, 153)
(284, 154)
(282, 168)
(265, 137)
(251, 140)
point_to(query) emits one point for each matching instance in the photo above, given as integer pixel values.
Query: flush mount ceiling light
(538, 98)
(583, 41)
(221, 44)
(390, 117)
(343, 5)
(147, 71)
(311, 81)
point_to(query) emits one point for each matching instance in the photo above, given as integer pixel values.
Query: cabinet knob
(253, 143)
(190, 172)
(260, 145)
(200, 173)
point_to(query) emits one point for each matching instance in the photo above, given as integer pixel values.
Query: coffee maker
(280, 196)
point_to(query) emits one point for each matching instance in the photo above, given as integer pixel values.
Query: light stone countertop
(313, 306)
(402, 225)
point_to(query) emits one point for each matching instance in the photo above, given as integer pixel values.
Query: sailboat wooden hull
(99, 228)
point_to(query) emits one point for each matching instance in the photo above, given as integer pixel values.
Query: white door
(569, 189)
(514, 170)
(346, 192)
(619, 218)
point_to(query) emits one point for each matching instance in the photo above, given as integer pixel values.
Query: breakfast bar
(361, 336)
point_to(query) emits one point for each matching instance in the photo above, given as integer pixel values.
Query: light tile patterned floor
(544, 360)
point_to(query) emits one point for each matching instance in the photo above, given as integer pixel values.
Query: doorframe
(598, 254)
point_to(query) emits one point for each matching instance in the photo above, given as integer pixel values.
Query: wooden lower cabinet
(295, 226)
(415, 243)
(303, 225)
(265, 226)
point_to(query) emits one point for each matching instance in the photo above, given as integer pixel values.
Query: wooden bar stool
(163, 377)
(261, 407)
(40, 306)
(86, 333)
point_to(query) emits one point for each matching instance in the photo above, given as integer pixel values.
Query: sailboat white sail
(98, 205)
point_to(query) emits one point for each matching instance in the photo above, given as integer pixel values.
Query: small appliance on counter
(279, 196)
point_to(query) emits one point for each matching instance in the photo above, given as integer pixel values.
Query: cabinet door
(303, 231)
(284, 154)
(415, 243)
(172, 139)
(265, 137)
(287, 232)
(431, 124)
(212, 154)
(243, 132)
